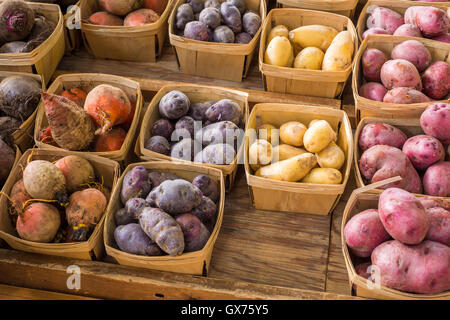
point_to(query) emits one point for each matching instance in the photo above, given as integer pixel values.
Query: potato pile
(388, 152)
(97, 120)
(21, 28)
(165, 214)
(210, 20)
(205, 132)
(312, 47)
(289, 162)
(410, 76)
(128, 13)
(57, 202)
(407, 240)
(418, 21)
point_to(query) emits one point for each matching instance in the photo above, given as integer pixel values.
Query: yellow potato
(309, 58)
(339, 55)
(331, 157)
(265, 132)
(313, 36)
(279, 52)
(292, 133)
(259, 153)
(312, 122)
(318, 136)
(278, 30)
(323, 176)
(285, 151)
(291, 170)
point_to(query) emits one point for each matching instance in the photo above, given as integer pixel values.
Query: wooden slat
(18, 293)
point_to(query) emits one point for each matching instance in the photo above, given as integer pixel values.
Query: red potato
(19, 196)
(372, 61)
(433, 202)
(443, 38)
(103, 18)
(435, 121)
(400, 73)
(38, 223)
(424, 268)
(408, 30)
(77, 171)
(414, 52)
(436, 180)
(381, 162)
(120, 7)
(156, 5)
(436, 80)
(381, 133)
(373, 91)
(140, 17)
(439, 229)
(364, 232)
(423, 150)
(373, 31)
(362, 269)
(384, 18)
(77, 95)
(403, 216)
(111, 140)
(431, 21)
(402, 95)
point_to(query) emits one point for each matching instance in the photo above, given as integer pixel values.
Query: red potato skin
(436, 80)
(372, 61)
(431, 21)
(435, 121)
(384, 18)
(402, 95)
(436, 180)
(408, 30)
(373, 31)
(364, 232)
(382, 161)
(443, 38)
(424, 268)
(400, 73)
(381, 133)
(439, 229)
(403, 216)
(103, 18)
(156, 5)
(120, 7)
(361, 269)
(414, 52)
(140, 17)
(423, 150)
(38, 223)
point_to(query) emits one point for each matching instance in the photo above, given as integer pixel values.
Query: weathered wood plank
(19, 293)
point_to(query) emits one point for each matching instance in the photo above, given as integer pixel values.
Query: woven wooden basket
(268, 194)
(342, 7)
(228, 61)
(88, 81)
(197, 262)
(364, 107)
(140, 43)
(317, 83)
(16, 161)
(92, 249)
(45, 58)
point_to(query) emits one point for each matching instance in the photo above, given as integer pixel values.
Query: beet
(13, 47)
(7, 126)
(39, 223)
(6, 161)
(42, 29)
(16, 20)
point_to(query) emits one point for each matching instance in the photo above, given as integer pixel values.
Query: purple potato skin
(205, 211)
(207, 186)
(223, 34)
(224, 110)
(134, 206)
(243, 38)
(231, 16)
(163, 128)
(220, 132)
(240, 4)
(136, 184)
(196, 30)
(197, 110)
(197, 5)
(212, 4)
(159, 177)
(121, 217)
(210, 17)
(186, 123)
(158, 144)
(174, 105)
(221, 154)
(132, 239)
(185, 149)
(251, 22)
(196, 235)
(185, 14)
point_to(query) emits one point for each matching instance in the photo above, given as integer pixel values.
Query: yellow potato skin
(290, 170)
(279, 30)
(265, 131)
(313, 36)
(331, 157)
(279, 52)
(292, 133)
(259, 153)
(285, 151)
(318, 136)
(323, 176)
(339, 55)
(309, 58)
(312, 122)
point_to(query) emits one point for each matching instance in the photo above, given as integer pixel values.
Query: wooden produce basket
(317, 83)
(362, 199)
(16, 161)
(139, 44)
(268, 194)
(364, 107)
(44, 59)
(196, 93)
(196, 263)
(87, 81)
(72, 27)
(23, 137)
(228, 61)
(397, 6)
(106, 170)
(342, 7)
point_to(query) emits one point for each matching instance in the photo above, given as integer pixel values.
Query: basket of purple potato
(165, 216)
(413, 149)
(423, 19)
(396, 244)
(398, 77)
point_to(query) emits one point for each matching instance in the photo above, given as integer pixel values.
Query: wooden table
(258, 254)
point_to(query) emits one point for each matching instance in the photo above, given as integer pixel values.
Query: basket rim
(323, 4)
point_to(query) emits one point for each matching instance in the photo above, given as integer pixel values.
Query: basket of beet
(31, 37)
(54, 203)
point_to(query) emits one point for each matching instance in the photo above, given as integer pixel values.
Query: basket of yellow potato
(297, 158)
(307, 52)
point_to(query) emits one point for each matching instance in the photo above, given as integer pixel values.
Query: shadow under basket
(196, 263)
(92, 249)
(360, 200)
(316, 83)
(227, 61)
(342, 7)
(139, 44)
(274, 195)
(44, 59)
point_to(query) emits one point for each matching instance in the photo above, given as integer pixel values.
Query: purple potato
(224, 110)
(159, 177)
(185, 149)
(197, 5)
(240, 4)
(207, 186)
(197, 110)
(163, 128)
(206, 210)
(223, 34)
(121, 217)
(251, 23)
(196, 235)
(132, 239)
(186, 123)
(196, 30)
(134, 206)
(185, 14)
(221, 154)
(174, 105)
(210, 17)
(136, 184)
(231, 16)
(243, 38)
(158, 144)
